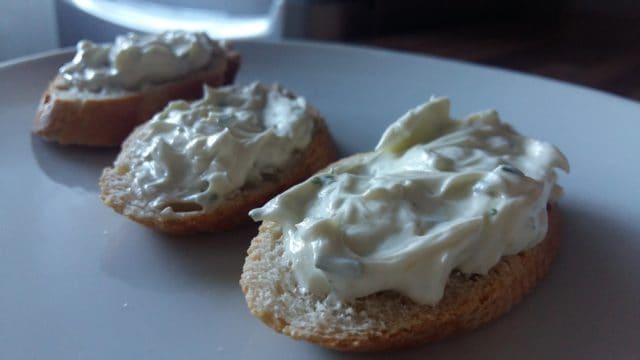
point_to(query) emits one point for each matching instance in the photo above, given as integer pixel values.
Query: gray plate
(79, 281)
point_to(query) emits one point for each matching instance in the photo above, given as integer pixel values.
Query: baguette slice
(116, 190)
(386, 320)
(71, 116)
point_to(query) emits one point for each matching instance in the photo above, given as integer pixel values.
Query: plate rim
(347, 47)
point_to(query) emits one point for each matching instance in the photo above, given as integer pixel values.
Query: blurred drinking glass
(221, 19)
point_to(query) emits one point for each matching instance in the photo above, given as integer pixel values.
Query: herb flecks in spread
(436, 195)
(199, 153)
(133, 60)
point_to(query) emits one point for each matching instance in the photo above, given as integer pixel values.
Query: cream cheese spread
(193, 155)
(436, 195)
(133, 60)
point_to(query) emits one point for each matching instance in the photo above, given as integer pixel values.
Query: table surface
(602, 53)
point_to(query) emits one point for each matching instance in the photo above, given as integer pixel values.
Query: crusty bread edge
(107, 121)
(320, 152)
(469, 301)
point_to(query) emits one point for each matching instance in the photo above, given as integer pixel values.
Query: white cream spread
(437, 195)
(192, 155)
(133, 60)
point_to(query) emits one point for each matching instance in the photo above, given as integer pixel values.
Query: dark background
(592, 42)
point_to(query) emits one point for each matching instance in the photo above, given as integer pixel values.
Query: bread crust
(106, 120)
(115, 184)
(388, 320)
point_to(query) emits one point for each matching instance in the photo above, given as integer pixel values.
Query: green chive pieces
(323, 179)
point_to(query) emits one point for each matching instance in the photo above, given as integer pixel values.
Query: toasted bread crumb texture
(85, 118)
(116, 191)
(386, 320)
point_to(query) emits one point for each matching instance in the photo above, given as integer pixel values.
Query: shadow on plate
(162, 263)
(73, 166)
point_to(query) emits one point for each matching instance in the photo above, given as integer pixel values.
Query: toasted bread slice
(116, 191)
(386, 320)
(72, 116)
